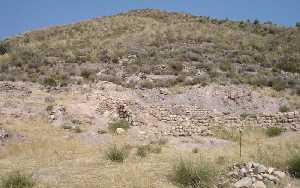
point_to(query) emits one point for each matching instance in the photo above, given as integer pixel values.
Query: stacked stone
(254, 175)
(288, 120)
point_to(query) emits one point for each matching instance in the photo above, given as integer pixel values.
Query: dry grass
(56, 160)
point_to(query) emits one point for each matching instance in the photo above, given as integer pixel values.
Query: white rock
(271, 177)
(270, 170)
(279, 174)
(120, 131)
(259, 184)
(243, 183)
(243, 172)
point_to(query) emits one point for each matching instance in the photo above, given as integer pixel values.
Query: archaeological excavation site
(151, 99)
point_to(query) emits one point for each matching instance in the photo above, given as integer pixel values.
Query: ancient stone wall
(187, 120)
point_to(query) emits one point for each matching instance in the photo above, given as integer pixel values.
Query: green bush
(176, 66)
(116, 153)
(49, 82)
(279, 84)
(284, 108)
(3, 48)
(189, 174)
(294, 165)
(118, 124)
(142, 151)
(273, 131)
(17, 180)
(195, 150)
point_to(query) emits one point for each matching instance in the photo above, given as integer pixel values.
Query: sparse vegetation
(17, 180)
(195, 150)
(251, 50)
(227, 134)
(274, 131)
(284, 108)
(113, 126)
(294, 165)
(142, 151)
(190, 174)
(116, 153)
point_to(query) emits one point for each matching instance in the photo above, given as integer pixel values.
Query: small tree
(256, 22)
(298, 24)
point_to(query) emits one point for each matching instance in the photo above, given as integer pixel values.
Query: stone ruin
(254, 175)
(188, 120)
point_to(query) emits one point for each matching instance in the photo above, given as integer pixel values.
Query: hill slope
(152, 48)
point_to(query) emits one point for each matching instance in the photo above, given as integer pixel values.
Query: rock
(260, 169)
(244, 183)
(3, 134)
(270, 170)
(271, 177)
(279, 174)
(243, 172)
(120, 131)
(259, 184)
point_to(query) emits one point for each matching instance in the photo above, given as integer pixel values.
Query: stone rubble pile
(57, 115)
(254, 175)
(3, 135)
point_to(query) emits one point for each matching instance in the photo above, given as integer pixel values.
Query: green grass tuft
(189, 174)
(294, 165)
(273, 131)
(116, 153)
(17, 180)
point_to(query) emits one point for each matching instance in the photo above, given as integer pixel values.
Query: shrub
(279, 84)
(116, 154)
(195, 150)
(49, 82)
(118, 124)
(176, 66)
(142, 151)
(284, 108)
(3, 48)
(86, 74)
(273, 131)
(17, 180)
(189, 174)
(155, 149)
(294, 165)
(256, 22)
(298, 24)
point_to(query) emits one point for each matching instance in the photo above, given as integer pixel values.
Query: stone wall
(187, 120)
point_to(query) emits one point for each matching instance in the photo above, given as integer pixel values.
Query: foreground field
(56, 158)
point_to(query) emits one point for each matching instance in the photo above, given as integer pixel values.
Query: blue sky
(18, 16)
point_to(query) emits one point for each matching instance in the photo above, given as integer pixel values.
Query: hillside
(151, 99)
(166, 48)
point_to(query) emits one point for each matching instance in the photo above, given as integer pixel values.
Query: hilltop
(169, 48)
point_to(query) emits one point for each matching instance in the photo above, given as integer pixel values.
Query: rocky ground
(32, 117)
